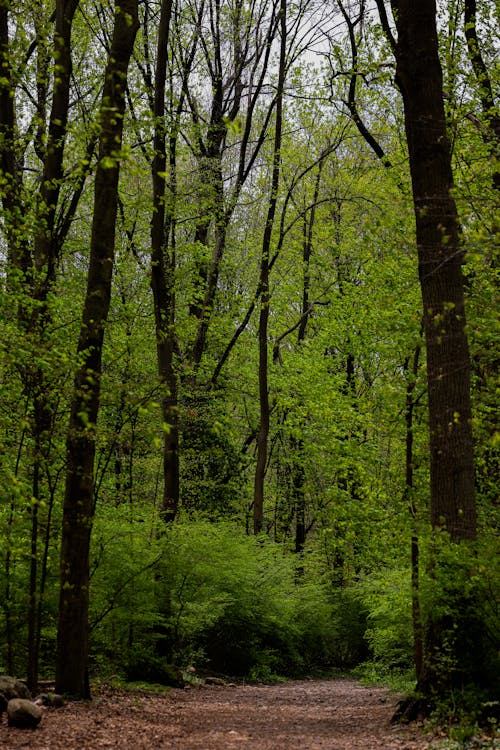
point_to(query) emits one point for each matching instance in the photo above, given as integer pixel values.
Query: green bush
(123, 609)
(350, 618)
(386, 598)
(460, 606)
(227, 597)
(236, 605)
(206, 595)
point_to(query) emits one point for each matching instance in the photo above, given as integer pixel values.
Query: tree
(265, 298)
(222, 152)
(35, 248)
(78, 511)
(440, 258)
(163, 268)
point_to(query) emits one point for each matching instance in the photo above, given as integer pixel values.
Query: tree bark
(162, 278)
(78, 510)
(440, 258)
(262, 437)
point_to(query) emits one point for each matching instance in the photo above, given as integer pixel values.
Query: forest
(249, 342)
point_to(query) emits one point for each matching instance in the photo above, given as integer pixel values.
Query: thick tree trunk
(440, 257)
(78, 511)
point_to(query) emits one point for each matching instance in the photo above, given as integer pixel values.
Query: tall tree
(440, 259)
(265, 297)
(224, 153)
(236, 64)
(48, 242)
(34, 247)
(162, 269)
(78, 511)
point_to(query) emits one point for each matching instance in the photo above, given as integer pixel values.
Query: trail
(302, 715)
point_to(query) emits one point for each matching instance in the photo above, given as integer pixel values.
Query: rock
(49, 699)
(3, 704)
(12, 688)
(23, 713)
(214, 681)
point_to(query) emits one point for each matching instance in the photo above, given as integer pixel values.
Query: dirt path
(306, 715)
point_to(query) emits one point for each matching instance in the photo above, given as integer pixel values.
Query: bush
(206, 595)
(226, 596)
(462, 621)
(386, 597)
(123, 609)
(236, 605)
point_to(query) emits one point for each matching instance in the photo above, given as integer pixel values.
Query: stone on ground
(13, 688)
(23, 713)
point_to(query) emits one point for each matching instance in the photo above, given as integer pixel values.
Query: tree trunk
(451, 634)
(262, 438)
(298, 457)
(440, 257)
(78, 511)
(162, 279)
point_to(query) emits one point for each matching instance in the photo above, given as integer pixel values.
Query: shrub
(386, 597)
(207, 595)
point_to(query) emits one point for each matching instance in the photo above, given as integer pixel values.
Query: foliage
(235, 605)
(460, 603)
(211, 466)
(344, 327)
(123, 607)
(205, 596)
(386, 597)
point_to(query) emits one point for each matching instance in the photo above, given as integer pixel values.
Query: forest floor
(307, 715)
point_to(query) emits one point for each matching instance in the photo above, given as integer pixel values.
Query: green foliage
(462, 621)
(205, 594)
(230, 597)
(237, 605)
(211, 482)
(386, 595)
(348, 625)
(123, 606)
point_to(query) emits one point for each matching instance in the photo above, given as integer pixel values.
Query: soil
(305, 715)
